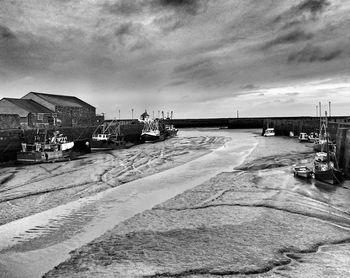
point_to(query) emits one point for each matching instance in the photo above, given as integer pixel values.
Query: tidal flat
(255, 220)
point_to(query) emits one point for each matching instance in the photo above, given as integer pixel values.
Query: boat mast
(327, 146)
(319, 135)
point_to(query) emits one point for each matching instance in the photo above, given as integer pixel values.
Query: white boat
(269, 132)
(302, 171)
(153, 130)
(303, 137)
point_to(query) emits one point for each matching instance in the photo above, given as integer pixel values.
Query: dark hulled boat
(56, 148)
(107, 137)
(170, 130)
(116, 135)
(326, 168)
(153, 130)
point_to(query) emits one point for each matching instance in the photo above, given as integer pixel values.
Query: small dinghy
(302, 171)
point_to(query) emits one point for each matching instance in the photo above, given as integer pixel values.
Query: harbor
(215, 184)
(172, 138)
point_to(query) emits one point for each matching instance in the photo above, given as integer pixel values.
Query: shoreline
(252, 209)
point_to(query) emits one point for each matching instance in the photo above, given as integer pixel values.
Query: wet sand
(30, 189)
(254, 221)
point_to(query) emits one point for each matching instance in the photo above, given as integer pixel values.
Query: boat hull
(152, 138)
(33, 157)
(171, 132)
(303, 173)
(331, 176)
(100, 145)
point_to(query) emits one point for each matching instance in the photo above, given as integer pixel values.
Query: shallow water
(31, 246)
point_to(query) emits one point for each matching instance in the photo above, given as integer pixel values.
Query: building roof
(29, 105)
(62, 100)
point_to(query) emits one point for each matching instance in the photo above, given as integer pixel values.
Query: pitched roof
(62, 100)
(29, 105)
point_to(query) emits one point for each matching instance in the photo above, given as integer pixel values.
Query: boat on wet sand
(153, 130)
(107, 136)
(325, 170)
(302, 171)
(170, 130)
(269, 132)
(56, 148)
(303, 137)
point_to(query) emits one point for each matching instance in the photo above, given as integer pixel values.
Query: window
(40, 116)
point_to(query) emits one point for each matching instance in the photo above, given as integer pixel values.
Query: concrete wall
(213, 122)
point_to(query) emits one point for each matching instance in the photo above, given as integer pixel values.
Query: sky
(199, 58)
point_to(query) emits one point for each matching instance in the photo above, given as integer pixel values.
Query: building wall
(35, 121)
(8, 121)
(76, 116)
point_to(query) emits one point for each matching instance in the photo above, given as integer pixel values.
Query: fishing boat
(326, 168)
(107, 136)
(56, 148)
(153, 130)
(302, 171)
(269, 132)
(303, 137)
(312, 137)
(170, 130)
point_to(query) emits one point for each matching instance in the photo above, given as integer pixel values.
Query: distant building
(69, 110)
(31, 113)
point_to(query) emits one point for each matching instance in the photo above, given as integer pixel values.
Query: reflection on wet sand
(254, 222)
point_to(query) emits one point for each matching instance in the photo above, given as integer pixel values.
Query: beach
(256, 220)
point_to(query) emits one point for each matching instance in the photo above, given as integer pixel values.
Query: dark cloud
(314, 54)
(195, 70)
(127, 7)
(249, 87)
(189, 6)
(124, 29)
(308, 10)
(6, 33)
(291, 37)
(168, 23)
(292, 94)
(123, 7)
(176, 83)
(313, 6)
(201, 72)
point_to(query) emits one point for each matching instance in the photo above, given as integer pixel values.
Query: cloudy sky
(199, 58)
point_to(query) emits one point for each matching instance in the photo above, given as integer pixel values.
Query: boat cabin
(101, 137)
(269, 132)
(303, 137)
